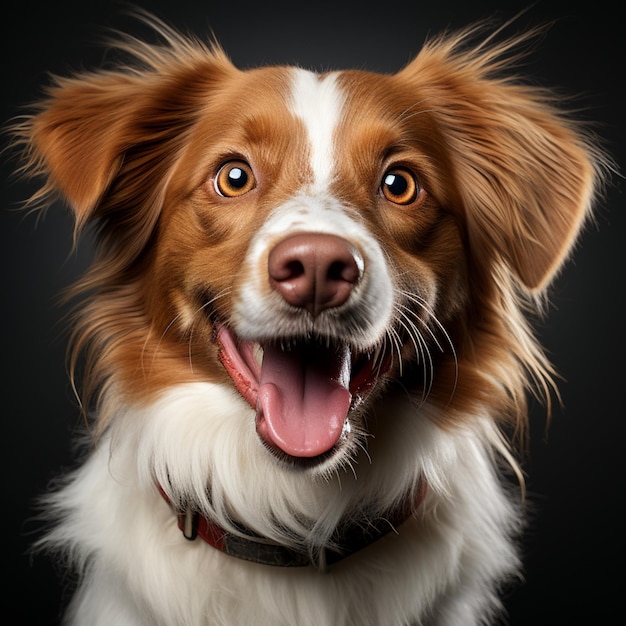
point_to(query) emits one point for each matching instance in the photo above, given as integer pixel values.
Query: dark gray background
(574, 549)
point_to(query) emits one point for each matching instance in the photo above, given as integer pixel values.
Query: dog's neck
(349, 538)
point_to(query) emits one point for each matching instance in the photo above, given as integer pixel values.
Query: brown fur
(509, 179)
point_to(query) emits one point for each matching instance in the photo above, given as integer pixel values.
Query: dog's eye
(234, 179)
(400, 186)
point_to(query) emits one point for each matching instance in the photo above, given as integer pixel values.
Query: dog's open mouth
(302, 391)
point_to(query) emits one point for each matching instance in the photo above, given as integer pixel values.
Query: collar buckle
(188, 524)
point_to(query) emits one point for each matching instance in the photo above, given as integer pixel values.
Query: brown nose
(314, 271)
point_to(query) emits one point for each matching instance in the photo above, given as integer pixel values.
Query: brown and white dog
(303, 333)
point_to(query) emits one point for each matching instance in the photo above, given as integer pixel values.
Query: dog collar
(350, 538)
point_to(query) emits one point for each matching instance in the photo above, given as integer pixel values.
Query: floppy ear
(524, 175)
(82, 133)
(106, 140)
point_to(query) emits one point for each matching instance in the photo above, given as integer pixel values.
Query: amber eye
(234, 179)
(400, 186)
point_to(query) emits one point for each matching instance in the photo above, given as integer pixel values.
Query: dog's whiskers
(189, 330)
(420, 346)
(396, 345)
(363, 447)
(156, 350)
(423, 331)
(202, 311)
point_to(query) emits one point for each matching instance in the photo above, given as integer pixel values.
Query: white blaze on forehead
(259, 314)
(318, 102)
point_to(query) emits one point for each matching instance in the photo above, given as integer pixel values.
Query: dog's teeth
(257, 353)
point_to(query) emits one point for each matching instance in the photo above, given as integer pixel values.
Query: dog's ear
(524, 175)
(81, 134)
(95, 128)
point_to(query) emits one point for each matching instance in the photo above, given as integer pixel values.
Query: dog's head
(312, 239)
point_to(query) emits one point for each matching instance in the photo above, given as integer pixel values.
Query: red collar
(350, 537)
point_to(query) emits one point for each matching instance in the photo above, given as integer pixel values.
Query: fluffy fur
(444, 276)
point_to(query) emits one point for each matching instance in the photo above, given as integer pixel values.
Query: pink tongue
(303, 399)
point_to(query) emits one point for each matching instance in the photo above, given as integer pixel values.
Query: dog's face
(309, 232)
(306, 239)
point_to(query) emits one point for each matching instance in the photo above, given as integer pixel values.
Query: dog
(303, 342)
